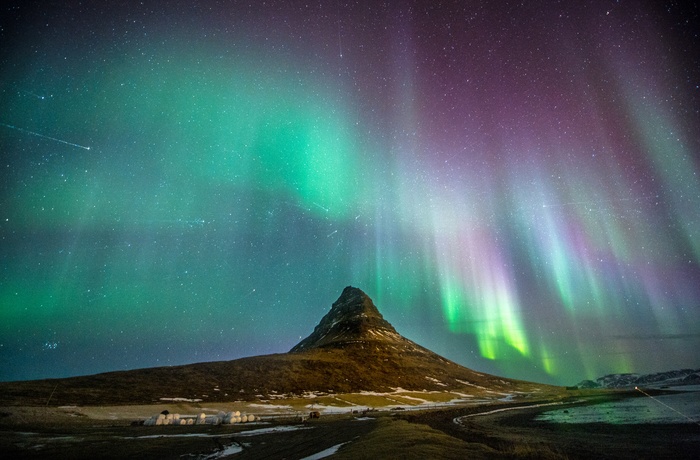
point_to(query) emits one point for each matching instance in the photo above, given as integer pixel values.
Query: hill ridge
(352, 349)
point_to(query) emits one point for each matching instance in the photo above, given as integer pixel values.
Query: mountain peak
(354, 301)
(353, 318)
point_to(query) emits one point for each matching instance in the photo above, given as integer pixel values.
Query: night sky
(516, 186)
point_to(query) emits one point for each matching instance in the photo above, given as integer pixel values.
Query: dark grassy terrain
(387, 434)
(89, 441)
(516, 434)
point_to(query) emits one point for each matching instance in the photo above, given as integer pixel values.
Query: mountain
(354, 320)
(660, 379)
(352, 349)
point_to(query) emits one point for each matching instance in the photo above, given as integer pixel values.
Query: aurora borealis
(515, 186)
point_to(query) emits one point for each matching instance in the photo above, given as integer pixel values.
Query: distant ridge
(352, 349)
(678, 377)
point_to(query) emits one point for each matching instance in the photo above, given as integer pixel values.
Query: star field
(515, 185)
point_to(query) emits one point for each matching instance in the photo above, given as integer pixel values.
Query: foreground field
(405, 425)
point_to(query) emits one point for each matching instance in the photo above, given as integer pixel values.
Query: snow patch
(331, 409)
(271, 406)
(185, 435)
(435, 381)
(324, 453)
(229, 450)
(274, 429)
(463, 382)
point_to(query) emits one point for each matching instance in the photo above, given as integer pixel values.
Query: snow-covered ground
(325, 453)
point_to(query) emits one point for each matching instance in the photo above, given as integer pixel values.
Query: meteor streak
(325, 209)
(45, 137)
(666, 405)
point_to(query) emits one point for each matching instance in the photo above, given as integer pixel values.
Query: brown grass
(403, 440)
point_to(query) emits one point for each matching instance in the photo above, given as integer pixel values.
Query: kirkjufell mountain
(355, 320)
(352, 349)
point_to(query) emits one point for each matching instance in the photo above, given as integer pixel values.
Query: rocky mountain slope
(354, 319)
(352, 349)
